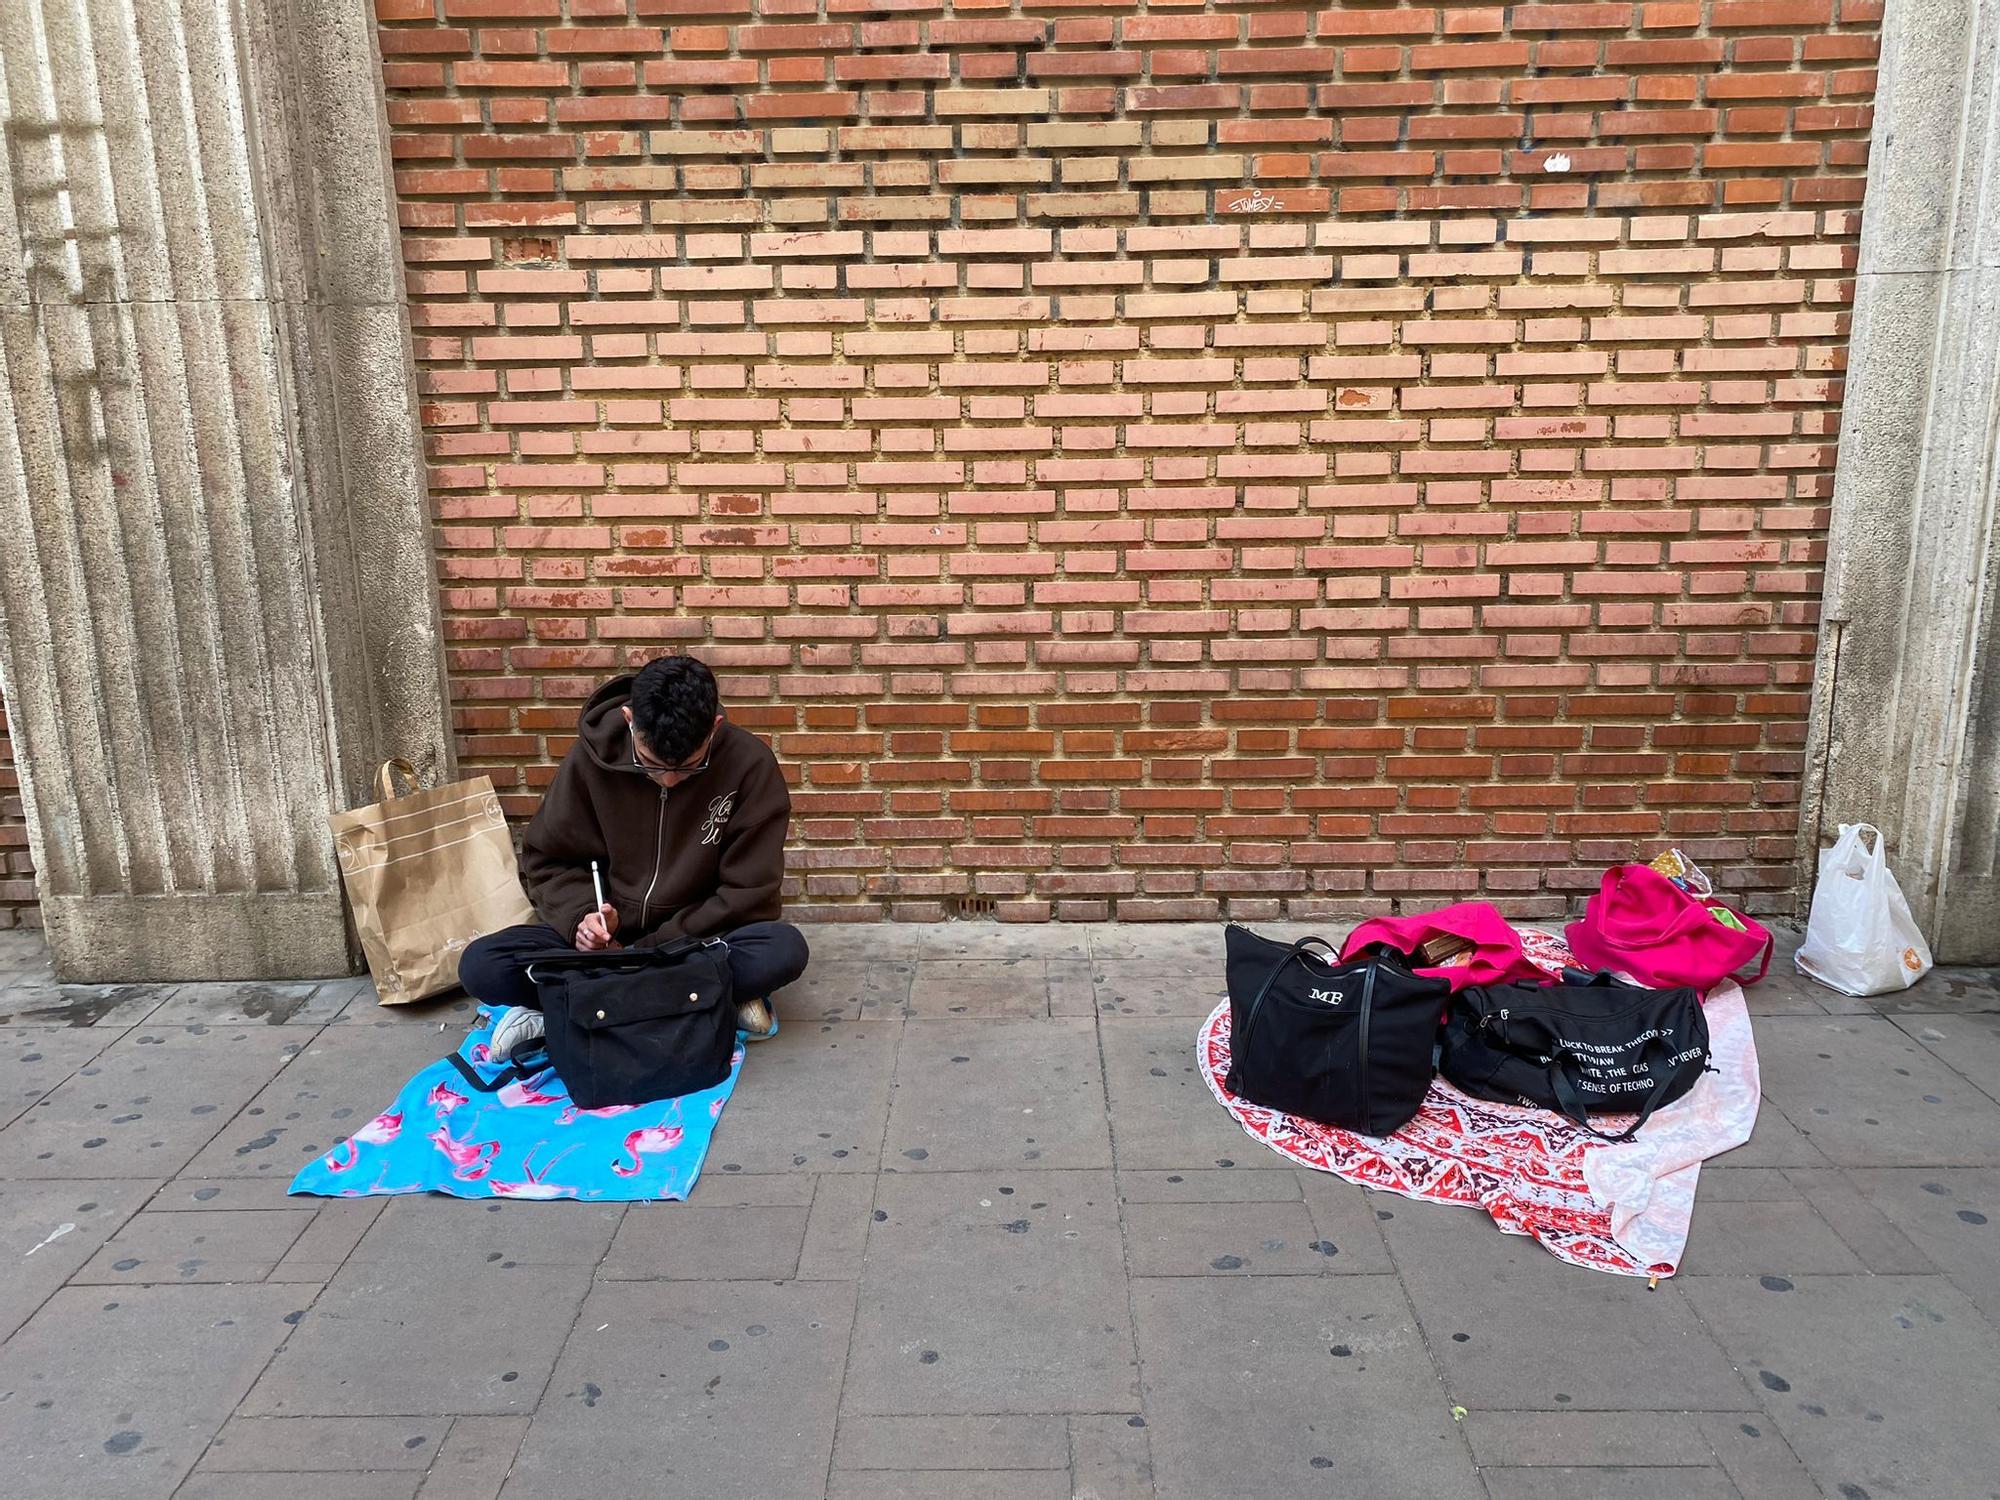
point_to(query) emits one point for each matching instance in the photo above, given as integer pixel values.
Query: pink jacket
(1496, 953)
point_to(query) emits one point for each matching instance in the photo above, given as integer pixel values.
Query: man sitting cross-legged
(685, 815)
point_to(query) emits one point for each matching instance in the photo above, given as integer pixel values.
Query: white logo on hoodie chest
(718, 814)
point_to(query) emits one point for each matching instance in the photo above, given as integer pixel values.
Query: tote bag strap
(1570, 1097)
(385, 779)
(516, 1072)
(1237, 1044)
(1764, 964)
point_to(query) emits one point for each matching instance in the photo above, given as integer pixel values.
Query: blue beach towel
(525, 1141)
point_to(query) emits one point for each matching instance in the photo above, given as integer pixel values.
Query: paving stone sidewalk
(972, 1226)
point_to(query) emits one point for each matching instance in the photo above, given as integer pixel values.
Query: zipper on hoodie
(659, 840)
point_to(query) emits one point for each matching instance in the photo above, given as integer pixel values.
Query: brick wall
(17, 872)
(1159, 462)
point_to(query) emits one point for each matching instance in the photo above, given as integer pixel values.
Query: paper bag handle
(385, 778)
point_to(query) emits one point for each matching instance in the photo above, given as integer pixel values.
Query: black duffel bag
(1590, 1045)
(1347, 1044)
(631, 1025)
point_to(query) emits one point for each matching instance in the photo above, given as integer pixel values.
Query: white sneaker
(757, 1022)
(516, 1027)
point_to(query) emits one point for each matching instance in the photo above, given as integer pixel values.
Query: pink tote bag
(1641, 922)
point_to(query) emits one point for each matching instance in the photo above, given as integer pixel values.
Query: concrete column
(217, 600)
(1905, 731)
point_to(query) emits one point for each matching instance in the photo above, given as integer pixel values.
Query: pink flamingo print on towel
(535, 1186)
(377, 1132)
(645, 1142)
(470, 1160)
(609, 1112)
(525, 1095)
(444, 1099)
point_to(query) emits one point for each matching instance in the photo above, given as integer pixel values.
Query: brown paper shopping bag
(426, 873)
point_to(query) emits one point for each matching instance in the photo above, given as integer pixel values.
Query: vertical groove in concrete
(164, 168)
(243, 478)
(190, 697)
(1908, 736)
(13, 251)
(47, 568)
(160, 179)
(78, 114)
(157, 420)
(1975, 817)
(129, 528)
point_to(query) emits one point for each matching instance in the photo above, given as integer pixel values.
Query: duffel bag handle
(1593, 979)
(1238, 1045)
(1570, 1097)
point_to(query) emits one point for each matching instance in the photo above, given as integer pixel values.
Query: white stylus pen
(598, 882)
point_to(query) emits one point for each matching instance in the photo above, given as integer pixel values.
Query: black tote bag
(1346, 1044)
(632, 1025)
(1590, 1045)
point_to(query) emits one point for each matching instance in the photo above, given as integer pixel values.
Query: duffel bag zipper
(1361, 1037)
(1636, 1009)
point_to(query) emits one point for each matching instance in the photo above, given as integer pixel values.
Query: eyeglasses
(647, 768)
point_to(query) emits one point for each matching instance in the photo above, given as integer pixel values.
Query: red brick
(1304, 61)
(510, 75)
(802, 106)
(1760, 13)
(795, 38)
(884, 455)
(603, 39)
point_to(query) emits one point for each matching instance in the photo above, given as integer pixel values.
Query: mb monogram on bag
(1347, 1044)
(1591, 1045)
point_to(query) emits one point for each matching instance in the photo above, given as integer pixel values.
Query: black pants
(763, 957)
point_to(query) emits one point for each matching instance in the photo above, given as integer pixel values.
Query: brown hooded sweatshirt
(697, 860)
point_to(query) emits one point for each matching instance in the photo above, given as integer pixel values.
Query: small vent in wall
(969, 906)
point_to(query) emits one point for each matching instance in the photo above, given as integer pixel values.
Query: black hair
(673, 706)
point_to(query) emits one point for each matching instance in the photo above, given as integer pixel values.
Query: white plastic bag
(1860, 938)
